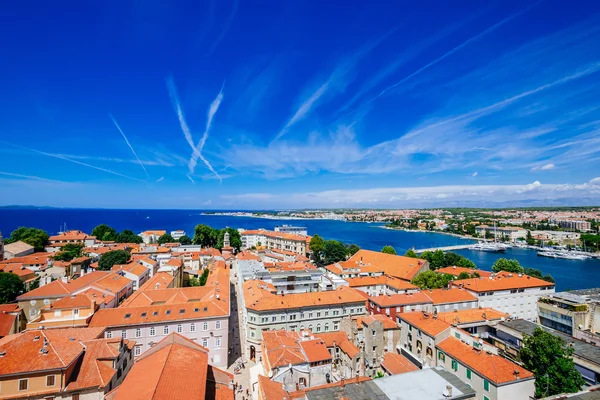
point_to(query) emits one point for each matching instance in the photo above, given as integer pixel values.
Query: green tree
(235, 239)
(105, 233)
(166, 238)
(388, 250)
(551, 361)
(466, 263)
(334, 251)
(205, 236)
(108, 259)
(10, 287)
(69, 251)
(32, 236)
(317, 246)
(529, 239)
(128, 236)
(185, 240)
(203, 277)
(438, 260)
(352, 249)
(432, 280)
(411, 253)
(503, 264)
(464, 275)
(592, 242)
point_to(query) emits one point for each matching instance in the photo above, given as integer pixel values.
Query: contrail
(162, 178)
(179, 111)
(226, 29)
(197, 153)
(129, 144)
(190, 178)
(37, 178)
(76, 162)
(449, 53)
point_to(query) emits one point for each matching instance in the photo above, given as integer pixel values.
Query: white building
(296, 230)
(150, 237)
(514, 294)
(177, 234)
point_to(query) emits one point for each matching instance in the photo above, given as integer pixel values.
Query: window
(192, 327)
(108, 335)
(168, 312)
(76, 312)
(166, 330)
(326, 327)
(441, 356)
(128, 315)
(310, 315)
(217, 342)
(182, 311)
(273, 318)
(486, 398)
(124, 334)
(318, 327)
(457, 335)
(283, 317)
(318, 314)
(218, 325)
(327, 313)
(205, 326)
(50, 380)
(455, 365)
(152, 331)
(469, 372)
(486, 385)
(23, 384)
(205, 342)
(138, 332)
(137, 351)
(179, 328)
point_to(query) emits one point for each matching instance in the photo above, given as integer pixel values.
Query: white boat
(566, 255)
(489, 247)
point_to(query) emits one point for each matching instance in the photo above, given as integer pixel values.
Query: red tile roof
(405, 268)
(425, 322)
(95, 371)
(456, 271)
(7, 321)
(263, 300)
(282, 348)
(339, 339)
(447, 296)
(60, 289)
(368, 319)
(396, 300)
(71, 235)
(501, 281)
(471, 315)
(396, 364)
(495, 368)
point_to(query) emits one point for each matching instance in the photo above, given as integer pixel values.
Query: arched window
(326, 327)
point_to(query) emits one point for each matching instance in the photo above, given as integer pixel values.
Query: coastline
(439, 232)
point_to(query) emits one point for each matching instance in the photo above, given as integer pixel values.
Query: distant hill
(25, 207)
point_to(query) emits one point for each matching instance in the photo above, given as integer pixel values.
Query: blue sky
(300, 104)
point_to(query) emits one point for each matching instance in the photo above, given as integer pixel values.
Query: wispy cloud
(162, 178)
(545, 167)
(191, 179)
(32, 177)
(129, 144)
(60, 157)
(179, 111)
(475, 173)
(225, 28)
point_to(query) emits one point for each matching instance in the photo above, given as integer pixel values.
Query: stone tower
(225, 240)
(1, 247)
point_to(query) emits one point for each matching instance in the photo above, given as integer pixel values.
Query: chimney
(447, 392)
(516, 373)
(64, 279)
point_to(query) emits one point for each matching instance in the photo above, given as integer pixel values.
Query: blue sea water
(569, 274)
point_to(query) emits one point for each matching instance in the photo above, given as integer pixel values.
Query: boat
(489, 247)
(566, 255)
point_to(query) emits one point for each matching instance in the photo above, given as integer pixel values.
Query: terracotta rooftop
(260, 299)
(446, 296)
(31, 259)
(7, 321)
(157, 233)
(395, 283)
(339, 339)
(133, 268)
(282, 348)
(501, 281)
(468, 316)
(368, 319)
(456, 271)
(17, 247)
(405, 268)
(73, 301)
(494, 368)
(396, 364)
(396, 300)
(71, 235)
(425, 322)
(270, 390)
(247, 256)
(175, 368)
(58, 288)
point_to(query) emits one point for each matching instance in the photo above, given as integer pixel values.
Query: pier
(446, 248)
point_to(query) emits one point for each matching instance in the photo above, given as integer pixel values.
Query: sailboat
(490, 247)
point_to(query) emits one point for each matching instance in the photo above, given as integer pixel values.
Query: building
(392, 305)
(56, 242)
(107, 284)
(178, 234)
(287, 241)
(572, 224)
(479, 322)
(381, 285)
(491, 376)
(511, 233)
(297, 360)
(26, 275)
(395, 364)
(557, 236)
(16, 249)
(151, 237)
(420, 333)
(576, 313)
(508, 336)
(137, 273)
(514, 294)
(200, 314)
(317, 311)
(176, 368)
(405, 268)
(296, 230)
(346, 356)
(456, 271)
(70, 311)
(66, 363)
(253, 238)
(12, 319)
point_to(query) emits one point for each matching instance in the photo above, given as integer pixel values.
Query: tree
(388, 250)
(466, 263)
(166, 238)
(529, 239)
(317, 246)
(411, 253)
(69, 251)
(10, 287)
(438, 260)
(108, 259)
(185, 240)
(105, 233)
(431, 280)
(334, 251)
(32, 236)
(128, 236)
(202, 279)
(205, 236)
(352, 249)
(551, 361)
(502, 264)
(464, 275)
(235, 239)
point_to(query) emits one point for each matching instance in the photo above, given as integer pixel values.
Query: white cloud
(545, 167)
(475, 173)
(595, 181)
(207, 203)
(530, 187)
(162, 178)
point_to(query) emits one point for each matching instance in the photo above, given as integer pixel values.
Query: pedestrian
(247, 392)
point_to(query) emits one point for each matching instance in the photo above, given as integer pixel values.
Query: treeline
(206, 236)
(327, 252)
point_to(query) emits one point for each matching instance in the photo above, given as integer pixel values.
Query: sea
(569, 274)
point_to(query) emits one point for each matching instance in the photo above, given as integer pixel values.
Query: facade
(253, 238)
(393, 305)
(381, 285)
(317, 311)
(287, 241)
(71, 311)
(572, 224)
(66, 363)
(514, 294)
(296, 230)
(177, 234)
(56, 242)
(137, 273)
(12, 319)
(176, 368)
(491, 376)
(150, 237)
(557, 236)
(420, 333)
(16, 249)
(400, 267)
(511, 233)
(347, 357)
(297, 360)
(201, 314)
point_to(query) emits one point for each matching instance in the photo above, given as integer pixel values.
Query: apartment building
(317, 311)
(56, 242)
(253, 238)
(296, 359)
(137, 273)
(346, 356)
(420, 333)
(572, 224)
(479, 322)
(514, 294)
(381, 285)
(490, 375)
(201, 314)
(70, 311)
(150, 237)
(66, 363)
(298, 244)
(16, 249)
(175, 368)
(405, 268)
(511, 233)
